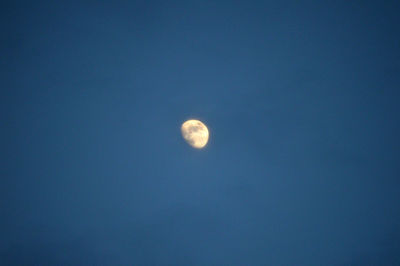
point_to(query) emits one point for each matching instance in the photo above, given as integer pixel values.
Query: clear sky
(301, 99)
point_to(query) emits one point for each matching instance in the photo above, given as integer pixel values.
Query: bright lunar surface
(195, 133)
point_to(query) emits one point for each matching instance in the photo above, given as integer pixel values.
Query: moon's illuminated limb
(195, 133)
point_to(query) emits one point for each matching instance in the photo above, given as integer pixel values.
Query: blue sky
(301, 100)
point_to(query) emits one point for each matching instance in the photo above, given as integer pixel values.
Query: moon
(195, 133)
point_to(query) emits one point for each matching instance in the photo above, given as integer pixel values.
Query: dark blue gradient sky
(301, 99)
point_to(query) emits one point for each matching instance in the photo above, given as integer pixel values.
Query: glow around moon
(195, 133)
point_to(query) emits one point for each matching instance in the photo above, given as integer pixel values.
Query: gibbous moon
(195, 133)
